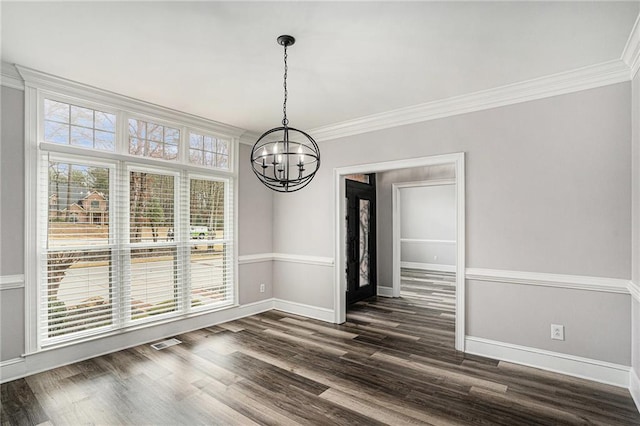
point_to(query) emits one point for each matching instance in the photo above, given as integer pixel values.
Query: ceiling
(220, 60)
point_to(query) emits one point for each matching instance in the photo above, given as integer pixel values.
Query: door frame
(397, 222)
(339, 284)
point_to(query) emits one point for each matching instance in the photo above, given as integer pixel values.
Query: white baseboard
(57, 357)
(591, 369)
(428, 266)
(634, 387)
(385, 291)
(322, 314)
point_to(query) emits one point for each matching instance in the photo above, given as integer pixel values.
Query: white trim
(631, 52)
(9, 76)
(69, 88)
(385, 291)
(249, 138)
(339, 237)
(307, 260)
(57, 357)
(428, 266)
(9, 282)
(285, 257)
(634, 387)
(315, 312)
(634, 289)
(586, 368)
(589, 77)
(423, 240)
(255, 258)
(578, 282)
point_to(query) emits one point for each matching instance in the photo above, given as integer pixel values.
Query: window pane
(78, 205)
(208, 274)
(209, 143)
(170, 152)
(154, 278)
(155, 132)
(79, 291)
(105, 141)
(195, 141)
(206, 209)
(151, 199)
(81, 116)
(137, 128)
(172, 136)
(222, 161)
(222, 147)
(74, 125)
(56, 111)
(105, 121)
(81, 136)
(195, 157)
(209, 159)
(56, 132)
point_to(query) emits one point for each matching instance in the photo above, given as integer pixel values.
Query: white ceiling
(220, 60)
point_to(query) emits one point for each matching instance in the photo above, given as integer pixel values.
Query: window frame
(40, 86)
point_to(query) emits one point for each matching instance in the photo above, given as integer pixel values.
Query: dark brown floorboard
(393, 362)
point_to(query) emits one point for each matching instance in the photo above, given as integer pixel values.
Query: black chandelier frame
(285, 159)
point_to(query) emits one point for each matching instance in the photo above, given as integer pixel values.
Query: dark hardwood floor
(392, 362)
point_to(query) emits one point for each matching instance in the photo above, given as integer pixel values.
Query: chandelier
(285, 159)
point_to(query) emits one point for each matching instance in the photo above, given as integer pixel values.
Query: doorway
(361, 271)
(340, 280)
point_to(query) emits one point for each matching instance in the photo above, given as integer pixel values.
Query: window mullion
(184, 246)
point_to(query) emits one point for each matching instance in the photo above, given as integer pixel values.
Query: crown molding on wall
(9, 76)
(249, 138)
(41, 80)
(576, 282)
(589, 77)
(631, 52)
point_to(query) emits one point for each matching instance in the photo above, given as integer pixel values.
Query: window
(136, 233)
(83, 127)
(153, 140)
(208, 150)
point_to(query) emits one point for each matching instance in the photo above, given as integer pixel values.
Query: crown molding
(249, 138)
(41, 80)
(589, 77)
(9, 76)
(631, 52)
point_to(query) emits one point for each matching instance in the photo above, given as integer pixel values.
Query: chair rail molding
(634, 289)
(285, 257)
(578, 282)
(9, 282)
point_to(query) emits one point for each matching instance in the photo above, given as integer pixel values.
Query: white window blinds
(124, 242)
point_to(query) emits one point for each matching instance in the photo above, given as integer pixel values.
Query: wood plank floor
(392, 362)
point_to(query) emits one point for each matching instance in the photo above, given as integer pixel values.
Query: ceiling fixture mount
(285, 159)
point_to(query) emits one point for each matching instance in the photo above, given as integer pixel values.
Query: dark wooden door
(361, 239)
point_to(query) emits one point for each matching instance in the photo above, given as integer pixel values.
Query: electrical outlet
(262, 288)
(557, 332)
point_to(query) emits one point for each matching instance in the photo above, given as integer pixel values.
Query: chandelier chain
(285, 121)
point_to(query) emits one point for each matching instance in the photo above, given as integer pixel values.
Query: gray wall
(384, 211)
(548, 189)
(428, 213)
(254, 226)
(255, 216)
(11, 220)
